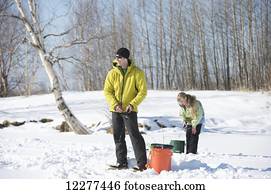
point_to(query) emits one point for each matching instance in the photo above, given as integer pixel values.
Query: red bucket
(160, 157)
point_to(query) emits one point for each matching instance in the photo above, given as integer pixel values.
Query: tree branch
(67, 59)
(77, 42)
(32, 7)
(12, 16)
(61, 34)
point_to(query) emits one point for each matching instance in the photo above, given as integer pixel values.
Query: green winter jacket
(198, 118)
(125, 88)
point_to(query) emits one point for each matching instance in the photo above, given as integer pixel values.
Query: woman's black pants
(192, 139)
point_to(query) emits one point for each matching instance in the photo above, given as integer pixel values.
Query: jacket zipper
(122, 88)
(123, 84)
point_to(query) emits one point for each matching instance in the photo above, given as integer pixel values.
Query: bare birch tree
(32, 26)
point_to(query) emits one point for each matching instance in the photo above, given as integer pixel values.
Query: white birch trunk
(72, 121)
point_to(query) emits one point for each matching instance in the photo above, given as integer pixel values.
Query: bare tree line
(191, 44)
(212, 44)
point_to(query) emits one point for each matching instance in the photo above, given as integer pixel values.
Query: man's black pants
(192, 139)
(128, 120)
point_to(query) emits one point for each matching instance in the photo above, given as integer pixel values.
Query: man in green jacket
(125, 88)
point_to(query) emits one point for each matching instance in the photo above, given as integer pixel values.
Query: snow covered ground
(234, 144)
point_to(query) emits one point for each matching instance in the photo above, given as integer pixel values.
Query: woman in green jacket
(192, 114)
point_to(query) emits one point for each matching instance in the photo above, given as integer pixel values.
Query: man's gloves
(129, 108)
(119, 109)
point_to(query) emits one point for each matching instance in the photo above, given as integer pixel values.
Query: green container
(178, 146)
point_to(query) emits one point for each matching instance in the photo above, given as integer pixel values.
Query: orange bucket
(160, 157)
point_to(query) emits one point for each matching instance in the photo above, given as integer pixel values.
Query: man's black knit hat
(123, 52)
